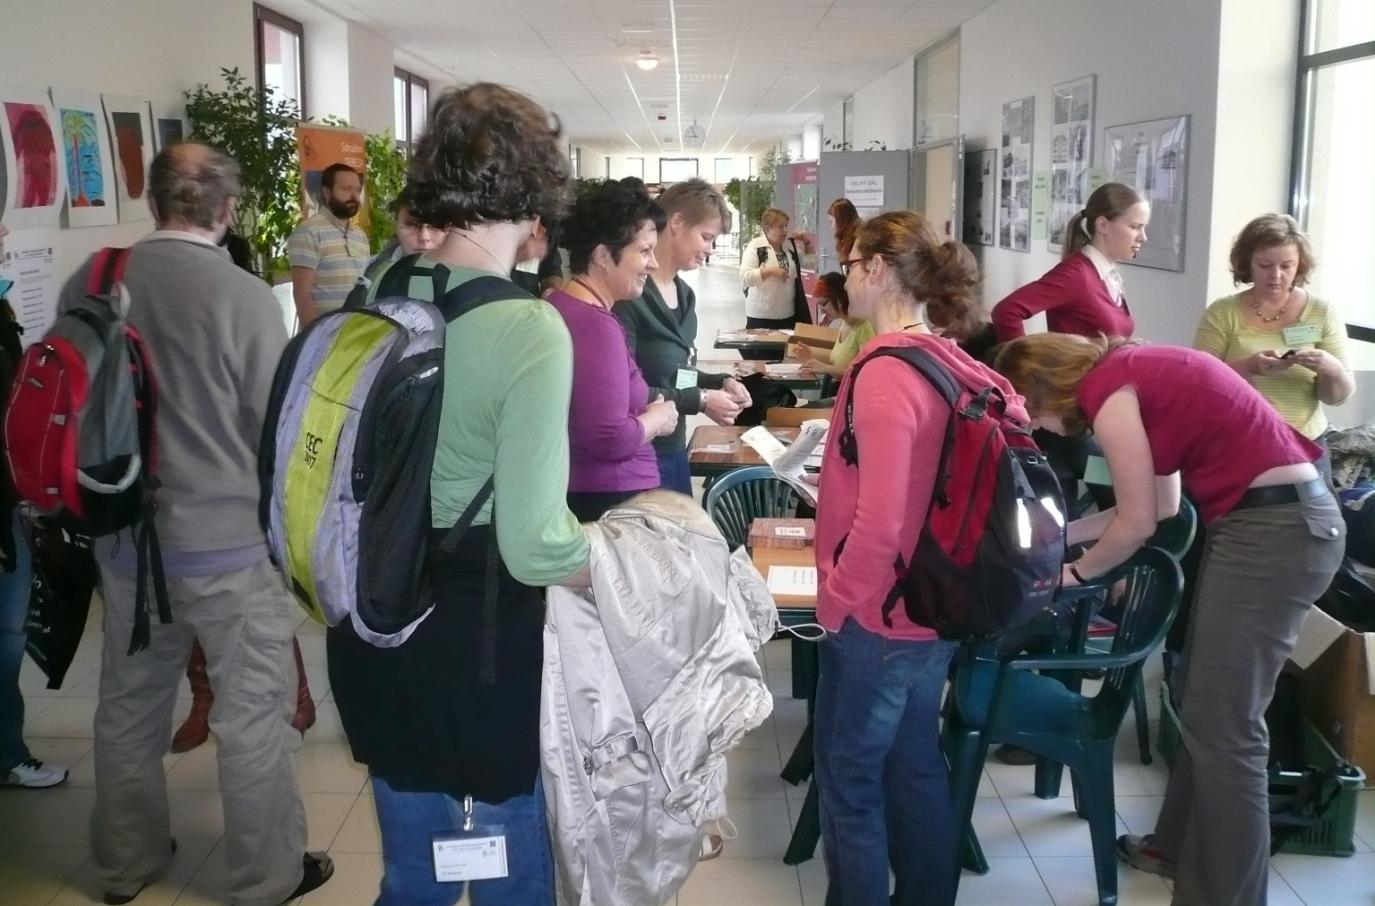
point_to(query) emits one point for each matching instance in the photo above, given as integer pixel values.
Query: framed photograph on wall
(1153, 158)
(980, 196)
(1014, 168)
(1071, 153)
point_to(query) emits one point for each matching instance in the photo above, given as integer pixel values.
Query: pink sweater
(871, 513)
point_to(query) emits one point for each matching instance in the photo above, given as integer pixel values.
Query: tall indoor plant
(259, 131)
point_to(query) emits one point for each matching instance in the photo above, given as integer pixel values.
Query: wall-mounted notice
(1040, 203)
(865, 192)
(1014, 211)
(28, 265)
(1071, 151)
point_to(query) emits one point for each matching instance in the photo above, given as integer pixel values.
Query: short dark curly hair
(610, 215)
(489, 155)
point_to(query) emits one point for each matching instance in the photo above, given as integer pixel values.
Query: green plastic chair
(741, 496)
(1006, 701)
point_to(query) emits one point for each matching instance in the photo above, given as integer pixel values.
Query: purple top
(606, 445)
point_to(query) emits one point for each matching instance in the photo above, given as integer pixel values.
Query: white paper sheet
(798, 581)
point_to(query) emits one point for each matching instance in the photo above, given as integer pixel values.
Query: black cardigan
(663, 340)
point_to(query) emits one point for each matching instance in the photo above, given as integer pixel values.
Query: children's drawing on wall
(86, 159)
(131, 140)
(36, 183)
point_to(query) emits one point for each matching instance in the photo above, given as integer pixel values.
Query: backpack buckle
(978, 406)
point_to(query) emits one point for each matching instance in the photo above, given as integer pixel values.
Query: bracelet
(1074, 571)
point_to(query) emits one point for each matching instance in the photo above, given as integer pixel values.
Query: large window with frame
(411, 106)
(279, 45)
(1333, 180)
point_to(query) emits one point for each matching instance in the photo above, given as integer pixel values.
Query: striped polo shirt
(336, 250)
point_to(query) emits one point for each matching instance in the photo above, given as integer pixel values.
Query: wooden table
(709, 463)
(739, 368)
(758, 341)
(794, 611)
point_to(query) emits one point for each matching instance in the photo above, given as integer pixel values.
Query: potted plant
(259, 131)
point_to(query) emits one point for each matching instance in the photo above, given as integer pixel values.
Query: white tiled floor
(1038, 851)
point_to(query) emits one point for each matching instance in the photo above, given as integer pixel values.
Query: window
(725, 170)
(1333, 184)
(937, 92)
(411, 108)
(635, 166)
(677, 169)
(574, 160)
(847, 123)
(608, 168)
(279, 49)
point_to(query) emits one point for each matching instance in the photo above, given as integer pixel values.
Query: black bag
(11, 351)
(64, 577)
(765, 394)
(802, 311)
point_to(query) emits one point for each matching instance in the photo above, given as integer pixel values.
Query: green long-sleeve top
(508, 377)
(663, 340)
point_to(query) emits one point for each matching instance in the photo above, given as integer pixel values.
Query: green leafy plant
(259, 131)
(752, 196)
(385, 177)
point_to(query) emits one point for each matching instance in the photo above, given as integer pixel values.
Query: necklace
(485, 250)
(591, 289)
(913, 324)
(1255, 306)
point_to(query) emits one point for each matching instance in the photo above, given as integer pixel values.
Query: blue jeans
(673, 472)
(409, 819)
(14, 609)
(881, 778)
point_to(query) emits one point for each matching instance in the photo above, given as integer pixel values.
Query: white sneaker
(35, 775)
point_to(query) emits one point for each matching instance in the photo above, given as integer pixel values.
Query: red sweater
(871, 513)
(1202, 420)
(1074, 298)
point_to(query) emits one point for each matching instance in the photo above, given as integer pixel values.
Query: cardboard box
(815, 336)
(1339, 686)
(788, 534)
(792, 416)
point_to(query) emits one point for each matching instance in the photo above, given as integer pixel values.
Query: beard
(342, 209)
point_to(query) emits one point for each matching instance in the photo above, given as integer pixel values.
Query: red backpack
(990, 554)
(80, 428)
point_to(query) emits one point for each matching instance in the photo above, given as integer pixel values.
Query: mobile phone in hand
(1289, 354)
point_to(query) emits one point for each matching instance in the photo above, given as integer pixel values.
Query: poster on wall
(980, 196)
(86, 157)
(866, 194)
(131, 137)
(1071, 152)
(27, 270)
(321, 146)
(169, 123)
(35, 178)
(1014, 210)
(1153, 158)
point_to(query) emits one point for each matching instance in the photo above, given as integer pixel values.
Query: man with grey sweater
(215, 335)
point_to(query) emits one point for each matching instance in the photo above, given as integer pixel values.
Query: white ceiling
(747, 73)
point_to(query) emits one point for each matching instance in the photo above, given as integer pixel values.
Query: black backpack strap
(476, 293)
(936, 374)
(149, 552)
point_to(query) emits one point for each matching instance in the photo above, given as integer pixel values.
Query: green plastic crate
(1334, 834)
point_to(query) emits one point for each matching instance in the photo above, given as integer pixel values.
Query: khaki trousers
(1262, 570)
(245, 621)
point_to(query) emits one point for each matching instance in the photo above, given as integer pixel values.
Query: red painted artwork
(129, 150)
(35, 155)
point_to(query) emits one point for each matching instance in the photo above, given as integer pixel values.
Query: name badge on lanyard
(686, 378)
(1301, 334)
(477, 853)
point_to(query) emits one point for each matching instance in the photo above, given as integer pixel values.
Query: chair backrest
(741, 496)
(1176, 534)
(1154, 586)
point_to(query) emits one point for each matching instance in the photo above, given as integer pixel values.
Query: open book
(788, 462)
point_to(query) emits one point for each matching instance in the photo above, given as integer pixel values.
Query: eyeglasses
(846, 266)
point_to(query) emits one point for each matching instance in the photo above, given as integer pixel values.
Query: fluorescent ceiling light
(646, 61)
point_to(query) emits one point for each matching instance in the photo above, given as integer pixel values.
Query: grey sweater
(215, 334)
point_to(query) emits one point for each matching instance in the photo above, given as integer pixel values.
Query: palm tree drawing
(79, 128)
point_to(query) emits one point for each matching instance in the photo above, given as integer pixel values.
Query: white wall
(1151, 60)
(349, 73)
(833, 125)
(811, 141)
(883, 109)
(148, 48)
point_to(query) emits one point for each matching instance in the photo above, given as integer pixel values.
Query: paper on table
(718, 448)
(798, 581)
(788, 462)
(783, 369)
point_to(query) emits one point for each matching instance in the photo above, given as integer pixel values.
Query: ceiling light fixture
(646, 61)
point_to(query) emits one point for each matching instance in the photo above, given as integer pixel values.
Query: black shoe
(119, 899)
(1010, 754)
(319, 869)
